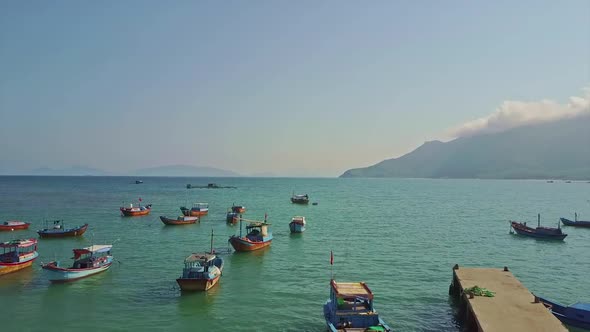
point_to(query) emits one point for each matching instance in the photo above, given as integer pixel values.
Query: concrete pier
(513, 308)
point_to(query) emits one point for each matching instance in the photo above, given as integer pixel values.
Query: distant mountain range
(554, 150)
(173, 170)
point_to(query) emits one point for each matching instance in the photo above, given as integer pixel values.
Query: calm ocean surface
(401, 236)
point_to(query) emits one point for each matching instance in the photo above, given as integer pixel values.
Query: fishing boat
(232, 217)
(138, 181)
(137, 210)
(17, 255)
(297, 225)
(58, 230)
(257, 236)
(201, 271)
(198, 210)
(13, 225)
(576, 315)
(181, 220)
(575, 222)
(300, 199)
(87, 261)
(350, 308)
(238, 209)
(546, 233)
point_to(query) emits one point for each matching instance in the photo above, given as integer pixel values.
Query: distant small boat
(208, 186)
(198, 209)
(576, 315)
(568, 181)
(17, 255)
(297, 225)
(138, 181)
(181, 220)
(58, 230)
(238, 209)
(232, 217)
(201, 271)
(135, 211)
(550, 181)
(575, 222)
(350, 308)
(87, 261)
(257, 236)
(300, 199)
(13, 225)
(547, 233)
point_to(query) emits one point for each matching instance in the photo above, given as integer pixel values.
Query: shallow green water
(400, 236)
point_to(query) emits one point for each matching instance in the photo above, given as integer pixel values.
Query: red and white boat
(135, 211)
(13, 225)
(17, 255)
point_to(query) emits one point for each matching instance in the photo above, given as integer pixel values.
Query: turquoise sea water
(401, 236)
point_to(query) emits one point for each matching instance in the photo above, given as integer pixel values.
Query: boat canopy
(256, 224)
(298, 218)
(18, 243)
(199, 257)
(200, 205)
(97, 248)
(351, 289)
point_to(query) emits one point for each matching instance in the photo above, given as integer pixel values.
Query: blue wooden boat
(87, 261)
(575, 222)
(545, 233)
(297, 225)
(350, 308)
(576, 315)
(58, 230)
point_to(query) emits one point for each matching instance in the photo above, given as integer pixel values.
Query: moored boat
(58, 230)
(257, 236)
(238, 209)
(17, 255)
(350, 308)
(13, 225)
(576, 315)
(575, 222)
(201, 271)
(136, 211)
(232, 217)
(87, 261)
(197, 210)
(300, 199)
(546, 233)
(297, 225)
(181, 220)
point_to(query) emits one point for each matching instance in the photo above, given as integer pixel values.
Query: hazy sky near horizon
(288, 87)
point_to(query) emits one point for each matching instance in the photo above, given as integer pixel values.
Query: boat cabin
(16, 251)
(258, 231)
(197, 265)
(351, 306)
(91, 257)
(200, 206)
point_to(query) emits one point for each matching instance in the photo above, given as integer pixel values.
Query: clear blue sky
(289, 87)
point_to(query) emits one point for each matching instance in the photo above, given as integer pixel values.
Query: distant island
(552, 150)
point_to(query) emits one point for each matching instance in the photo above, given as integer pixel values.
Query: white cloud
(513, 114)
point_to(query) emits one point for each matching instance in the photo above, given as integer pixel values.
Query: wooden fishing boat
(87, 261)
(297, 225)
(546, 233)
(13, 225)
(201, 271)
(300, 199)
(575, 222)
(350, 308)
(17, 255)
(135, 211)
(232, 217)
(58, 230)
(257, 236)
(198, 210)
(181, 220)
(576, 315)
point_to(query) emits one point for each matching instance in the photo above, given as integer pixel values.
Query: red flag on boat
(331, 258)
(140, 199)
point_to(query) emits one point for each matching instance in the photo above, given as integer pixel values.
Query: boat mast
(211, 241)
(538, 220)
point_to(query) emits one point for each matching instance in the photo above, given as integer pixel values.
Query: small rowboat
(13, 225)
(87, 261)
(59, 231)
(17, 255)
(576, 315)
(575, 222)
(181, 220)
(546, 233)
